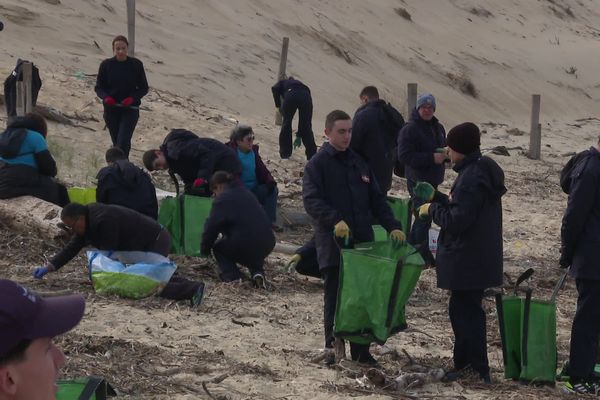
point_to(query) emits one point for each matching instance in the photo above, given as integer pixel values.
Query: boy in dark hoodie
(125, 184)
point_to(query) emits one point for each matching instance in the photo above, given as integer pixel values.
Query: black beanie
(464, 138)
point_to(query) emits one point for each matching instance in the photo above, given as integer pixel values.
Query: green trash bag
(376, 281)
(91, 388)
(184, 216)
(528, 332)
(82, 195)
(401, 210)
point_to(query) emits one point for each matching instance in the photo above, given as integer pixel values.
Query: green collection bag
(376, 281)
(92, 388)
(401, 210)
(184, 216)
(528, 332)
(82, 195)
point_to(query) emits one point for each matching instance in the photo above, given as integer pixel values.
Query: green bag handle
(526, 310)
(523, 277)
(96, 386)
(502, 326)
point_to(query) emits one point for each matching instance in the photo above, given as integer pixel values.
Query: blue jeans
(268, 199)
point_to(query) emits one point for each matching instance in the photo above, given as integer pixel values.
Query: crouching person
(247, 237)
(469, 254)
(112, 227)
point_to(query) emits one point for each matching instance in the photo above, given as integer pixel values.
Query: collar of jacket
(469, 158)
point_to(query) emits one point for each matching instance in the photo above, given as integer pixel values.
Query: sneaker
(581, 387)
(367, 359)
(259, 281)
(196, 299)
(467, 372)
(329, 357)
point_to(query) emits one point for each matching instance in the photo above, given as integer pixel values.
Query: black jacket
(122, 79)
(373, 141)
(110, 227)
(124, 184)
(237, 215)
(340, 186)
(469, 254)
(417, 142)
(280, 89)
(193, 157)
(580, 230)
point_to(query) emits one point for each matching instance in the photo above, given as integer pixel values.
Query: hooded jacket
(127, 185)
(469, 254)
(193, 157)
(580, 230)
(417, 142)
(281, 88)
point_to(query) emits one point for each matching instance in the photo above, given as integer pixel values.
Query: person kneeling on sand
(247, 235)
(112, 227)
(29, 359)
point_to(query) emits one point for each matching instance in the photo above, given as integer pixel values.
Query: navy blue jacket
(124, 184)
(417, 142)
(469, 254)
(237, 215)
(122, 79)
(111, 227)
(338, 185)
(580, 230)
(280, 89)
(193, 157)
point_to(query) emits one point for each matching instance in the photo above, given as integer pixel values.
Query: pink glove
(127, 101)
(109, 101)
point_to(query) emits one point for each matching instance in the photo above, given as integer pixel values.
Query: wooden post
(131, 27)
(535, 138)
(411, 93)
(27, 86)
(20, 106)
(281, 73)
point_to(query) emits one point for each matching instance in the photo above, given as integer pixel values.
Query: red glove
(199, 182)
(109, 101)
(127, 101)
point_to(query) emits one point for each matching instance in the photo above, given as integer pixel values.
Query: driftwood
(30, 214)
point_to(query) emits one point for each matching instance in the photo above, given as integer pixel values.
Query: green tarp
(376, 281)
(184, 218)
(82, 195)
(528, 332)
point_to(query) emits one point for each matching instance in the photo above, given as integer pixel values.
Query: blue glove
(39, 273)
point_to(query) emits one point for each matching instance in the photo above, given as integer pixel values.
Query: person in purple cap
(29, 359)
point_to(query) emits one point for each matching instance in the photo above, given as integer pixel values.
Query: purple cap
(25, 315)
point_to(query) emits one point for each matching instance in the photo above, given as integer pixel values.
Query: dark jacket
(237, 215)
(340, 186)
(124, 184)
(373, 141)
(580, 230)
(469, 254)
(110, 227)
(122, 79)
(417, 142)
(262, 173)
(280, 89)
(193, 157)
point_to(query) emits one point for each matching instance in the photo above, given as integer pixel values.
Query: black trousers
(121, 123)
(585, 330)
(23, 180)
(297, 100)
(331, 279)
(228, 254)
(178, 288)
(468, 323)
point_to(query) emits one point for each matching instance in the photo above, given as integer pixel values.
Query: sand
(210, 63)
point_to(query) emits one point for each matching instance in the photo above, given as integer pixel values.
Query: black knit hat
(464, 138)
